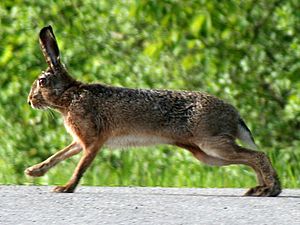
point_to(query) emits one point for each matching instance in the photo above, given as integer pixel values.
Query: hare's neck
(62, 103)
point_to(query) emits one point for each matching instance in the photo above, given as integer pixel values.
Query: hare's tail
(244, 134)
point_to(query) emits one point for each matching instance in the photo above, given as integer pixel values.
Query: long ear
(50, 48)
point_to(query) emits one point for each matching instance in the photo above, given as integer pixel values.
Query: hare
(99, 115)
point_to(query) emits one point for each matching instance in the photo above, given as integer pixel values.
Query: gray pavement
(137, 205)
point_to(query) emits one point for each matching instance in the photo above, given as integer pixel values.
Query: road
(141, 205)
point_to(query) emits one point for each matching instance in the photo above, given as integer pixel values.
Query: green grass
(152, 166)
(146, 167)
(156, 166)
(246, 53)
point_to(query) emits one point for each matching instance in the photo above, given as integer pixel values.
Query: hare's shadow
(226, 195)
(187, 194)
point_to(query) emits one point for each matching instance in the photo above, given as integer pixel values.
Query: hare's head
(52, 83)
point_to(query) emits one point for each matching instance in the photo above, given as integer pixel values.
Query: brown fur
(97, 115)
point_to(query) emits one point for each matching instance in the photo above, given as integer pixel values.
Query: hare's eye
(42, 82)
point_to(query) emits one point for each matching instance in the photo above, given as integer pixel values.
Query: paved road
(131, 205)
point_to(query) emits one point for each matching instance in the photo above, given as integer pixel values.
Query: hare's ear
(50, 48)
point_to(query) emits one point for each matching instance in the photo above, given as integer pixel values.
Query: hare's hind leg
(202, 156)
(43, 167)
(225, 148)
(214, 161)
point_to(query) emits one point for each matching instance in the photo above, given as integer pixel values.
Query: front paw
(35, 171)
(63, 189)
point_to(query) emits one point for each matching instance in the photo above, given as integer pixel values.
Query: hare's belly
(135, 141)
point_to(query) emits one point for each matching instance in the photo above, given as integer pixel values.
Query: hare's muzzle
(29, 100)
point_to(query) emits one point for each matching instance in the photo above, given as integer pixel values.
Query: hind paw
(264, 191)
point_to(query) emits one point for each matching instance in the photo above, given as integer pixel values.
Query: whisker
(51, 113)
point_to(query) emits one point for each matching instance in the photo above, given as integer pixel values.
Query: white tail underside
(246, 138)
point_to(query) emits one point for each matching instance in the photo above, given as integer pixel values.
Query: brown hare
(99, 115)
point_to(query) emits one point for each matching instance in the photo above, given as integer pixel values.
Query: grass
(156, 166)
(190, 45)
(164, 165)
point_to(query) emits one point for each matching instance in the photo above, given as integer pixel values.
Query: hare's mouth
(40, 107)
(37, 106)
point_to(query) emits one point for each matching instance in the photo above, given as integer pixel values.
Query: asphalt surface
(137, 205)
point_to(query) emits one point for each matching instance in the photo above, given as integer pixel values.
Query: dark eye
(42, 82)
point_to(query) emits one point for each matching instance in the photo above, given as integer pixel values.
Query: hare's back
(163, 111)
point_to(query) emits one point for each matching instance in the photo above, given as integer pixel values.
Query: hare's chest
(72, 127)
(135, 141)
(72, 132)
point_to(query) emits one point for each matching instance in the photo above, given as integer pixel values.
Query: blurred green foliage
(246, 52)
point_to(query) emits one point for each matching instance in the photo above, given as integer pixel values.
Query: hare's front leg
(43, 167)
(88, 156)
